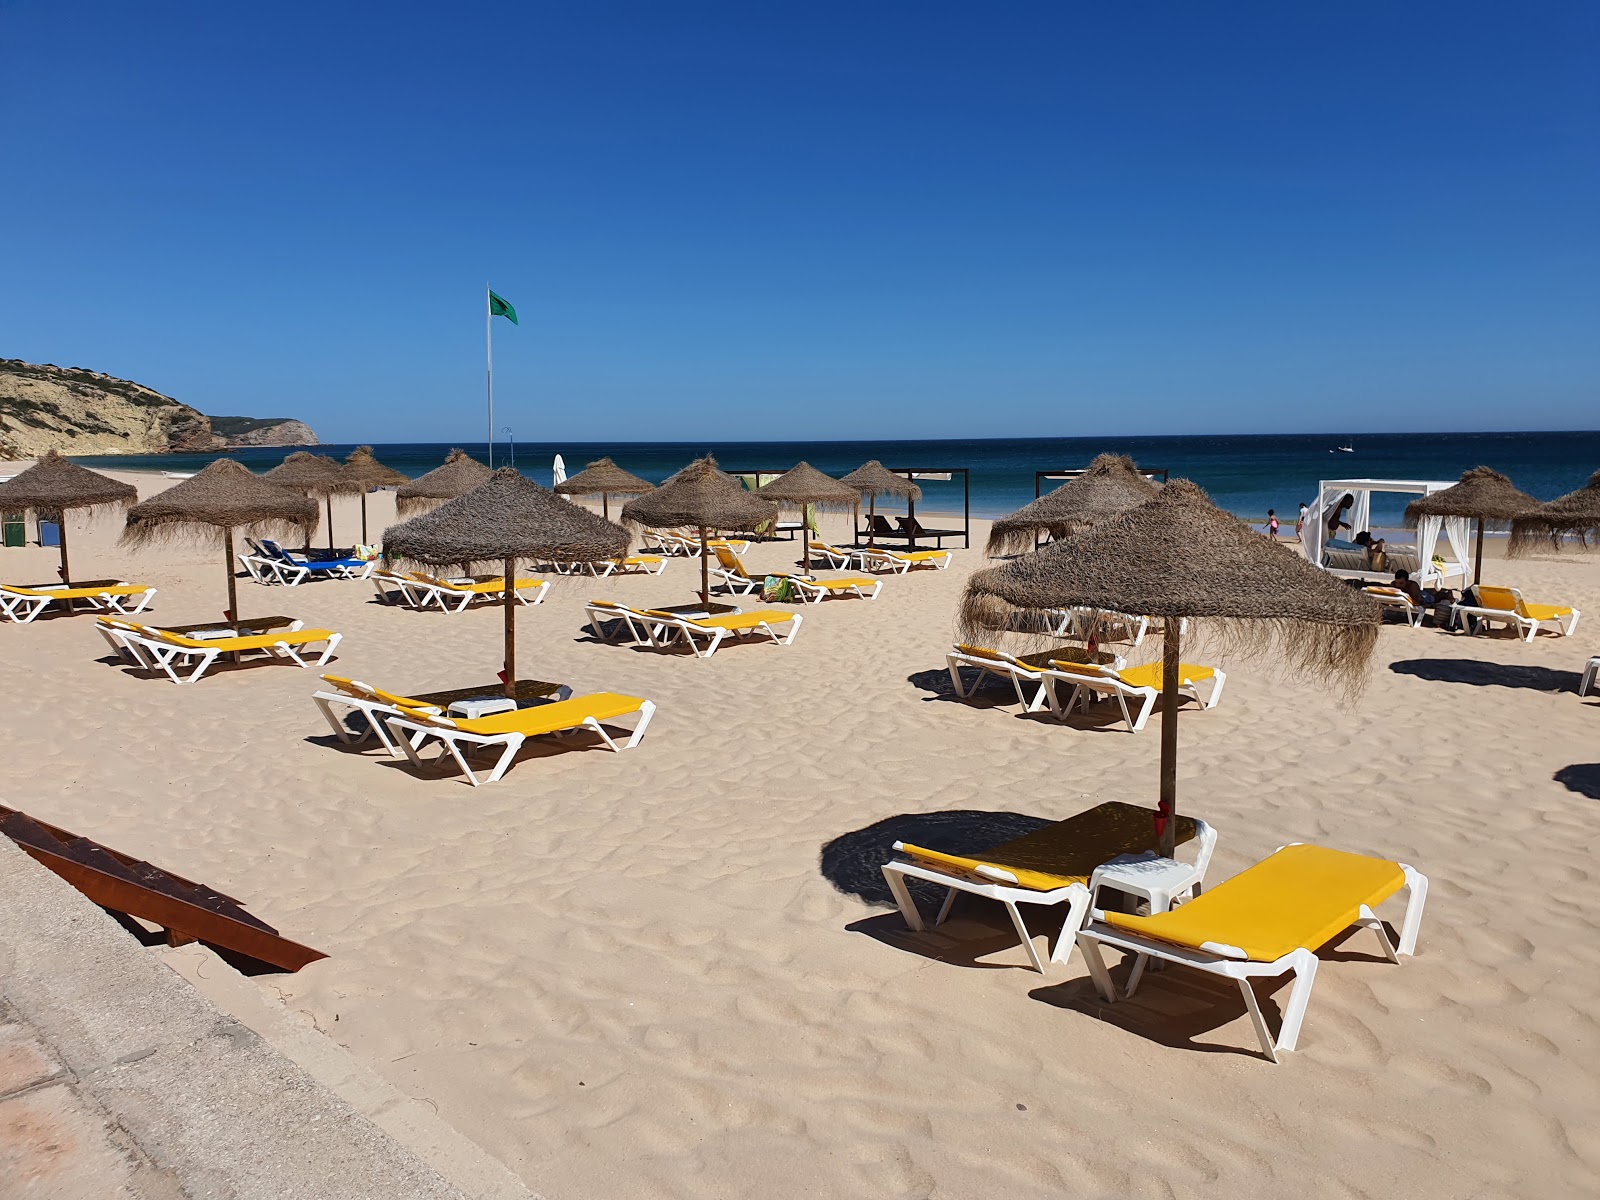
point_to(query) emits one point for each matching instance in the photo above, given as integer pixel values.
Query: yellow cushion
(121, 589)
(1546, 612)
(1497, 597)
(489, 585)
(747, 620)
(1149, 675)
(917, 555)
(259, 641)
(980, 652)
(1063, 853)
(1295, 899)
(549, 718)
(834, 585)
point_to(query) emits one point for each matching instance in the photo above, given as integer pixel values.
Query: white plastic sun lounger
(22, 602)
(1002, 666)
(455, 595)
(811, 590)
(876, 558)
(172, 653)
(1140, 684)
(1392, 599)
(507, 731)
(1044, 868)
(1268, 920)
(1507, 605)
(617, 623)
(668, 628)
(376, 705)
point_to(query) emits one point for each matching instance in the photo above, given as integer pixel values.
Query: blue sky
(818, 220)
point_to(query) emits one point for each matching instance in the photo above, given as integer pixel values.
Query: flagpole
(488, 358)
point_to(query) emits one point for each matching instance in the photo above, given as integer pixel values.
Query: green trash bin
(13, 529)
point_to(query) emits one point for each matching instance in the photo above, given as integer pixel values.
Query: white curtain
(1359, 516)
(1427, 539)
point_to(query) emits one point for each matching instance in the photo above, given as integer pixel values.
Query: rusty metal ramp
(185, 910)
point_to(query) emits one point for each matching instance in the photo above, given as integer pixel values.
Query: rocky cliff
(45, 407)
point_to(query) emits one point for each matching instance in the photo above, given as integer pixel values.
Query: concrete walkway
(119, 1080)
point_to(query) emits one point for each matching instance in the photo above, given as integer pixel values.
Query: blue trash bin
(49, 533)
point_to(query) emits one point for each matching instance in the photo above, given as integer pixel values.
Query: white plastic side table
(481, 706)
(1159, 880)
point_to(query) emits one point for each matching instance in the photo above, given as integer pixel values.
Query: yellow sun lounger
(1142, 684)
(23, 602)
(166, 652)
(665, 628)
(508, 730)
(1392, 599)
(454, 595)
(1002, 666)
(632, 564)
(1053, 865)
(1268, 920)
(1506, 604)
(876, 558)
(738, 580)
(372, 703)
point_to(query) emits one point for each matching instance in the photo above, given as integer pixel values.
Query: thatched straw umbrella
(457, 476)
(508, 518)
(54, 486)
(872, 479)
(1112, 484)
(316, 475)
(1577, 514)
(1180, 556)
(705, 496)
(803, 484)
(605, 479)
(224, 496)
(1483, 494)
(361, 473)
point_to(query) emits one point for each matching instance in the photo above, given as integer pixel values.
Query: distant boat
(1342, 450)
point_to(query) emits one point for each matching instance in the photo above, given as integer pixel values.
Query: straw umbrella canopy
(705, 496)
(803, 484)
(225, 496)
(361, 473)
(872, 479)
(1576, 514)
(54, 485)
(510, 517)
(1112, 484)
(605, 479)
(1482, 494)
(457, 476)
(1180, 556)
(318, 475)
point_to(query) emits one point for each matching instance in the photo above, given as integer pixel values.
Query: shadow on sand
(1478, 673)
(1583, 778)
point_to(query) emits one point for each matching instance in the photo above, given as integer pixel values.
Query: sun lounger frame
(1230, 963)
(22, 606)
(459, 743)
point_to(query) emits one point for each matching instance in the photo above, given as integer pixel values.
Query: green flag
(501, 308)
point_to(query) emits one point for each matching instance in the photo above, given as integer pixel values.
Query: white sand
(624, 975)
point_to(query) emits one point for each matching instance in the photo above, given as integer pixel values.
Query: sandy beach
(629, 975)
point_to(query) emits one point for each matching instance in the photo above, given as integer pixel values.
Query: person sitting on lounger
(1404, 583)
(1373, 546)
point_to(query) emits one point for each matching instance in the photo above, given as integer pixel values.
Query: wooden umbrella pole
(805, 536)
(1477, 570)
(605, 507)
(329, 499)
(66, 574)
(363, 516)
(509, 605)
(233, 584)
(872, 519)
(705, 570)
(1167, 808)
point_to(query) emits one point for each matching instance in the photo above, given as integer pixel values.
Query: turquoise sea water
(1246, 474)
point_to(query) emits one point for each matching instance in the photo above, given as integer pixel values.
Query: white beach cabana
(1450, 569)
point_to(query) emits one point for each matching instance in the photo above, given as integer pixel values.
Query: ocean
(1244, 473)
